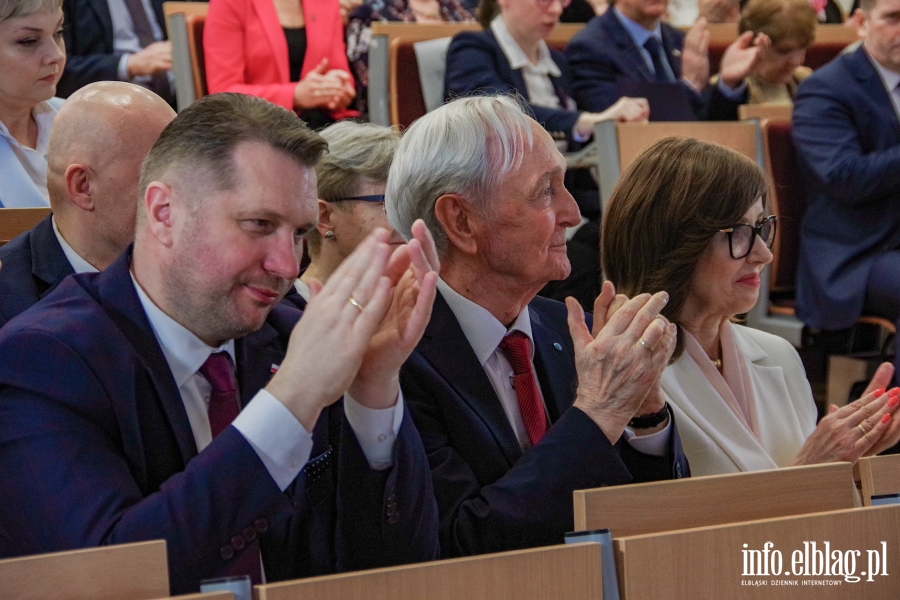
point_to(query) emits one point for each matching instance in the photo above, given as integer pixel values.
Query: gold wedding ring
(646, 346)
(355, 303)
(861, 428)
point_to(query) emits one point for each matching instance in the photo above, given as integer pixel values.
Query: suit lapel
(265, 10)
(445, 346)
(48, 261)
(320, 31)
(554, 366)
(672, 45)
(119, 299)
(629, 54)
(257, 354)
(863, 69)
(101, 9)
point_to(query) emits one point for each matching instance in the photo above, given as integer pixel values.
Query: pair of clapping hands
(324, 88)
(620, 362)
(360, 327)
(737, 63)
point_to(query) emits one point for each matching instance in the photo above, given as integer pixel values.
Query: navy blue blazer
(602, 56)
(33, 265)
(96, 448)
(477, 64)
(88, 32)
(847, 138)
(491, 496)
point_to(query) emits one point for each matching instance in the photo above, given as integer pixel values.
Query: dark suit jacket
(477, 64)
(293, 298)
(602, 56)
(847, 138)
(33, 265)
(88, 32)
(491, 496)
(97, 449)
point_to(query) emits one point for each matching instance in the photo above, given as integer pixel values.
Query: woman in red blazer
(257, 47)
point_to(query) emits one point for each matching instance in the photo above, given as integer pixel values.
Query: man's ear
(325, 223)
(858, 19)
(460, 222)
(158, 208)
(79, 181)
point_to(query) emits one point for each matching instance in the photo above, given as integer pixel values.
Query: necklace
(717, 363)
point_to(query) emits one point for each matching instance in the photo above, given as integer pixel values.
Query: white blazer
(17, 190)
(715, 442)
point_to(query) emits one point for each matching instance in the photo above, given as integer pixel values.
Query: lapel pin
(676, 53)
(558, 346)
(274, 368)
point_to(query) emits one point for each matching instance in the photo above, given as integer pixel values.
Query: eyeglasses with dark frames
(370, 198)
(741, 237)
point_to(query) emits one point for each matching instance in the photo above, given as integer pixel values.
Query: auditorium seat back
(878, 476)
(184, 23)
(569, 572)
(14, 221)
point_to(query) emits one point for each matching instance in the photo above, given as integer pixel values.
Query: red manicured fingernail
(878, 392)
(894, 392)
(893, 401)
(885, 418)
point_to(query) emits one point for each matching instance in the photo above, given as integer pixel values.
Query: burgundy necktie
(223, 408)
(223, 399)
(517, 348)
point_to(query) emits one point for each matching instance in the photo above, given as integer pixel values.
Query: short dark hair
(204, 135)
(780, 20)
(666, 209)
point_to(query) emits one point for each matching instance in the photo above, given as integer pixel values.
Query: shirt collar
(638, 33)
(480, 327)
(43, 113)
(184, 351)
(79, 265)
(516, 56)
(302, 289)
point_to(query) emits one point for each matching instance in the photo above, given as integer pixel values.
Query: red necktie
(223, 400)
(223, 408)
(517, 348)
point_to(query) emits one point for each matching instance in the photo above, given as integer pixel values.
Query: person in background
(629, 47)
(690, 217)
(290, 53)
(847, 139)
(98, 141)
(351, 180)
(117, 40)
(32, 57)
(359, 30)
(791, 26)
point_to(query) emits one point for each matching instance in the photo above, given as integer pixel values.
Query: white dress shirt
(281, 442)
(302, 289)
(34, 160)
(79, 265)
(484, 333)
(891, 80)
(125, 40)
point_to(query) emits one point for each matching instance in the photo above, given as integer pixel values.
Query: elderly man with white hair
(515, 408)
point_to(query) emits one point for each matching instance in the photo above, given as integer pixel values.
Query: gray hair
(355, 151)
(465, 147)
(12, 9)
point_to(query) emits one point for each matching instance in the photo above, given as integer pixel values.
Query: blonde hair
(12, 9)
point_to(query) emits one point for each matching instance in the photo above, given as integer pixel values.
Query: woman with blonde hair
(32, 57)
(690, 218)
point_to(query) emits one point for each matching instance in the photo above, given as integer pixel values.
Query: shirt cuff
(282, 443)
(655, 444)
(123, 67)
(733, 94)
(376, 430)
(579, 138)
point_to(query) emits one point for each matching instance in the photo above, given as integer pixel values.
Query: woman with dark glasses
(690, 218)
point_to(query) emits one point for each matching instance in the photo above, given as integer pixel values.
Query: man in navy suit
(629, 51)
(116, 40)
(515, 408)
(98, 141)
(140, 403)
(847, 135)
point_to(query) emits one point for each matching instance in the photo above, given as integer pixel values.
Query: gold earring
(329, 235)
